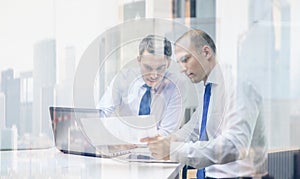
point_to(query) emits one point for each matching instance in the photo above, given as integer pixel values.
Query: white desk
(50, 163)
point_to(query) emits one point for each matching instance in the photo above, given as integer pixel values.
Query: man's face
(153, 67)
(194, 65)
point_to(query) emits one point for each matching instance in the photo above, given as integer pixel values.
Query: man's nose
(154, 74)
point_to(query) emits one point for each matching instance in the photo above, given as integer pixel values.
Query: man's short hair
(155, 45)
(199, 38)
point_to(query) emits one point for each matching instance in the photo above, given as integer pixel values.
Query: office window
(42, 43)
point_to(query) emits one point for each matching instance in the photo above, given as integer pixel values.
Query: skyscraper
(26, 100)
(264, 59)
(44, 80)
(11, 89)
(2, 109)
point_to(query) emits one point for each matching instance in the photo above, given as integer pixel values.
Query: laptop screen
(67, 134)
(74, 133)
(71, 138)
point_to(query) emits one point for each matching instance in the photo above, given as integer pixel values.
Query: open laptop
(85, 132)
(71, 138)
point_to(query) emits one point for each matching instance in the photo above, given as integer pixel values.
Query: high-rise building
(44, 80)
(26, 100)
(2, 109)
(264, 59)
(11, 88)
(5, 77)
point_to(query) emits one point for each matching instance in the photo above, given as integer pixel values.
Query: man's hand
(159, 146)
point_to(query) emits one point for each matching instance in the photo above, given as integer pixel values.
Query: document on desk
(141, 154)
(118, 130)
(136, 157)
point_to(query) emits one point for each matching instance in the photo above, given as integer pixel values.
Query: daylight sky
(73, 23)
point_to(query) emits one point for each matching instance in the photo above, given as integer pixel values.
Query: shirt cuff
(177, 151)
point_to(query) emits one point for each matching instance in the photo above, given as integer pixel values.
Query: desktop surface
(51, 163)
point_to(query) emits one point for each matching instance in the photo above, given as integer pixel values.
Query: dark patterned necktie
(145, 101)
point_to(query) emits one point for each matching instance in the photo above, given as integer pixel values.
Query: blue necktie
(146, 101)
(203, 135)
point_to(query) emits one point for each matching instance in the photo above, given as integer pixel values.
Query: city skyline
(262, 44)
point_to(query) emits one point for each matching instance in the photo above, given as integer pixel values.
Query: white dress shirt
(123, 97)
(237, 144)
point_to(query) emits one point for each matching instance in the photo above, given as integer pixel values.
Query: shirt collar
(215, 75)
(161, 84)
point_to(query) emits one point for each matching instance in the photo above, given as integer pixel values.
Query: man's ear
(206, 51)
